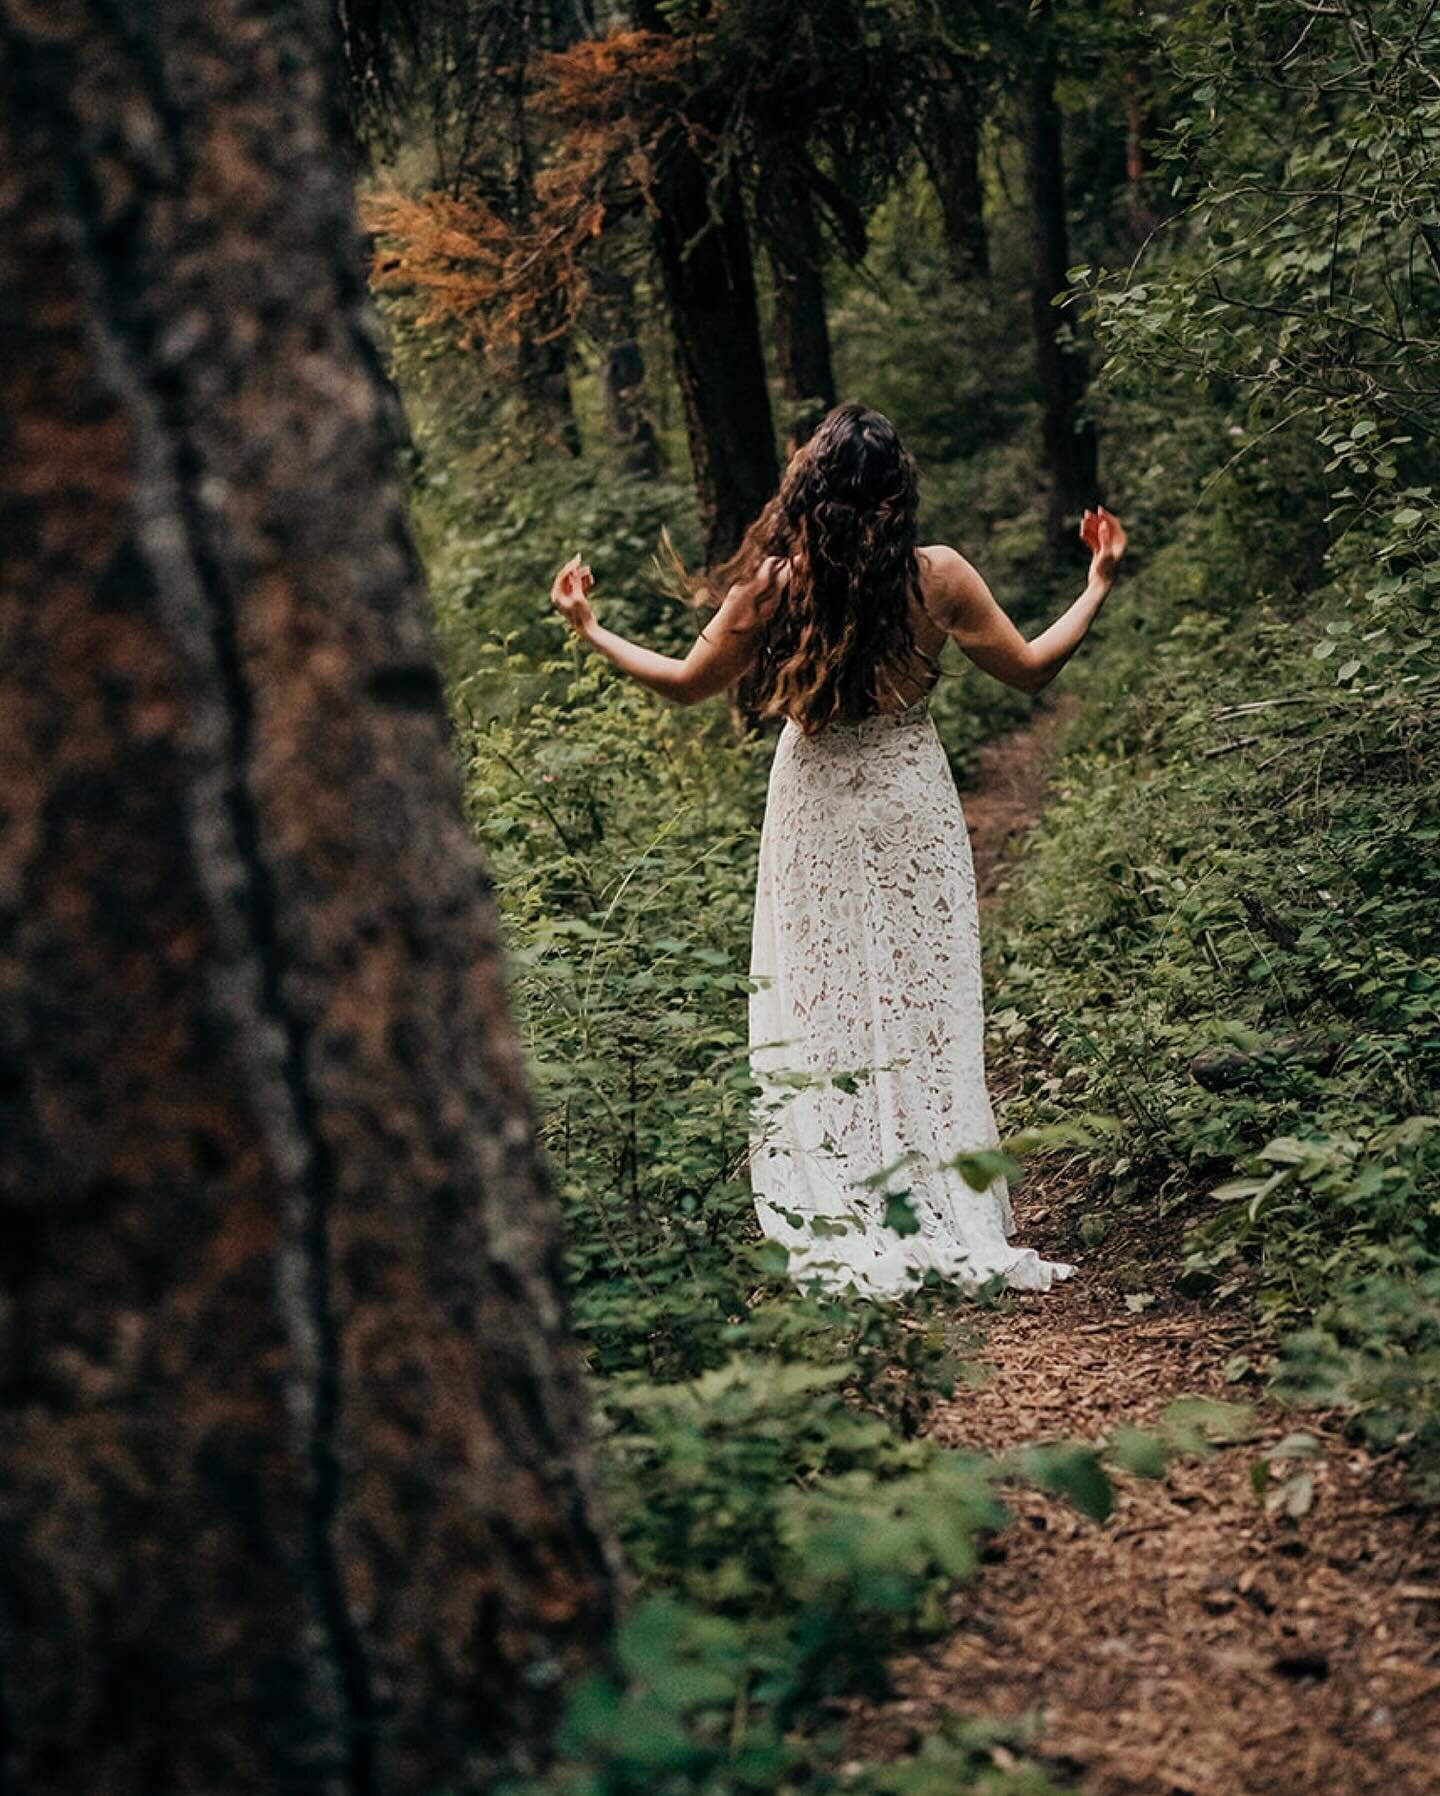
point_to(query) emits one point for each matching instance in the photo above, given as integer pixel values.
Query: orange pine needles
(503, 276)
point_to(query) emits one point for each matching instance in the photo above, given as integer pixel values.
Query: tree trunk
(1068, 436)
(952, 155)
(709, 283)
(1139, 211)
(543, 352)
(294, 1495)
(542, 368)
(802, 332)
(622, 378)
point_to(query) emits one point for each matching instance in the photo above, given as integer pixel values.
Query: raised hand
(568, 594)
(1104, 536)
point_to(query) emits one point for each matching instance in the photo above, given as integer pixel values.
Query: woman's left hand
(1104, 536)
(568, 595)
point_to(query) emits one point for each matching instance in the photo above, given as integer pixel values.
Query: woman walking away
(866, 1018)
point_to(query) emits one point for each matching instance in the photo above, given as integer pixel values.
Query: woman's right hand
(1104, 536)
(568, 593)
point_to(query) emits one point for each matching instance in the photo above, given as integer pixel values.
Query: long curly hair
(836, 635)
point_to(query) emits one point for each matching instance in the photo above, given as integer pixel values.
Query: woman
(866, 1021)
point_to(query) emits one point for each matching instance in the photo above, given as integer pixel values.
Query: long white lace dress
(866, 1018)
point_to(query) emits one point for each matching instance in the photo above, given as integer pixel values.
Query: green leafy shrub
(1224, 936)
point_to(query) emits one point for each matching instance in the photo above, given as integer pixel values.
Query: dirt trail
(1007, 789)
(1194, 1646)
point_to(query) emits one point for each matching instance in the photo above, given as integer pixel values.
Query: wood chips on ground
(1194, 1645)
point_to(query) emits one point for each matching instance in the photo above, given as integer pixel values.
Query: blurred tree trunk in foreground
(1071, 454)
(293, 1489)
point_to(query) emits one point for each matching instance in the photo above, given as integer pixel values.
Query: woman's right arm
(721, 653)
(957, 597)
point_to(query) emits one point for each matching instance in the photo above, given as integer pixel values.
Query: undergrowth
(782, 1519)
(1224, 936)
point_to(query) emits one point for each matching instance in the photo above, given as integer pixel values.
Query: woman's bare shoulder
(767, 582)
(948, 582)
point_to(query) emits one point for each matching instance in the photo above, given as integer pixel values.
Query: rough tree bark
(1070, 448)
(293, 1487)
(703, 245)
(952, 155)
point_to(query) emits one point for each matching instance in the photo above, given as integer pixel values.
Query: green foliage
(688, 1707)
(1375, 1350)
(1243, 865)
(759, 1446)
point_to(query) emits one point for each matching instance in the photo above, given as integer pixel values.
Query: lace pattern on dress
(866, 1017)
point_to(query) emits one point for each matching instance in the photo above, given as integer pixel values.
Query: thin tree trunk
(622, 379)
(802, 331)
(709, 283)
(1070, 448)
(293, 1486)
(543, 355)
(542, 366)
(952, 155)
(1139, 211)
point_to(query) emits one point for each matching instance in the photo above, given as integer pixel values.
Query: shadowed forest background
(1185, 258)
(296, 1492)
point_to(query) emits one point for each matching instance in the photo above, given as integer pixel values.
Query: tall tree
(622, 376)
(451, 80)
(1140, 211)
(1068, 436)
(951, 122)
(702, 242)
(543, 346)
(294, 1494)
(791, 234)
(694, 120)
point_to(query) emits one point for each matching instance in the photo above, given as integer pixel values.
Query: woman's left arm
(721, 652)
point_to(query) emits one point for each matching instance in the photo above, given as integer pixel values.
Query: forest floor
(1195, 1645)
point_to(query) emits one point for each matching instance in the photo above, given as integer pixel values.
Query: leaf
(1074, 1473)
(1139, 1452)
(900, 1214)
(1197, 1420)
(1294, 1497)
(1295, 1446)
(979, 1170)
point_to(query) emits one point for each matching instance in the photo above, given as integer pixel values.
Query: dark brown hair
(835, 635)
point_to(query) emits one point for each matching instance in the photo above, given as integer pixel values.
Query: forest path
(1195, 1645)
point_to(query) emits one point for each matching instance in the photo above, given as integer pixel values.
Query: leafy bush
(1225, 934)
